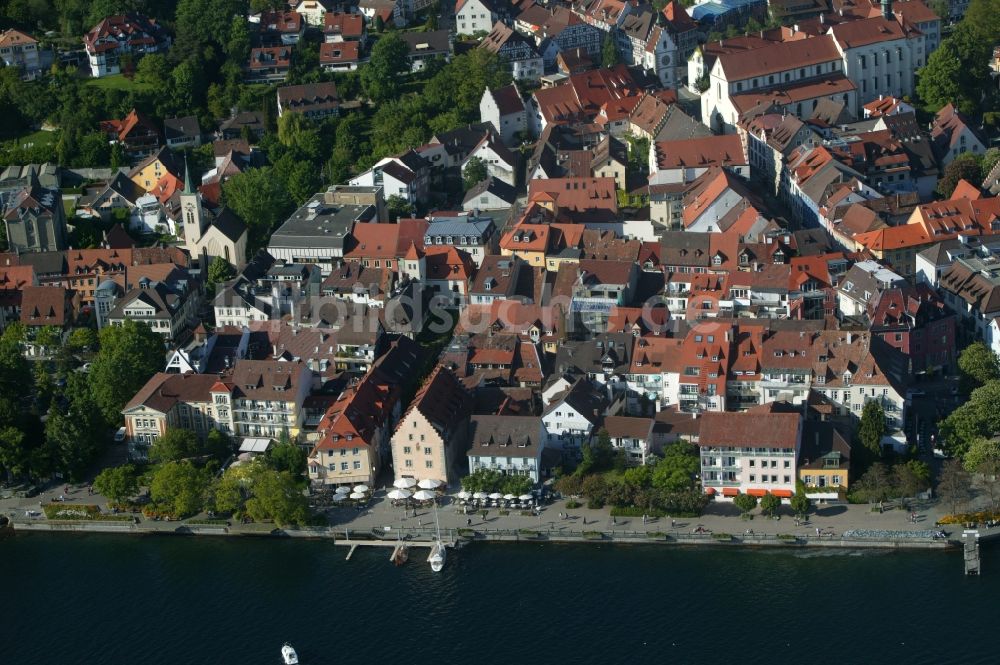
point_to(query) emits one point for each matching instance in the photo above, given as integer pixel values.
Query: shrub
(467, 533)
(725, 537)
(656, 535)
(62, 511)
(529, 533)
(595, 504)
(787, 537)
(572, 504)
(593, 535)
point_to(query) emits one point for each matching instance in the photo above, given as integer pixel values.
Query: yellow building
(824, 459)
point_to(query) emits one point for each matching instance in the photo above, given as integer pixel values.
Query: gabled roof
(773, 58)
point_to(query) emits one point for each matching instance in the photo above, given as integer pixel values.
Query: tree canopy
(180, 488)
(979, 365)
(176, 444)
(130, 355)
(117, 483)
(872, 427)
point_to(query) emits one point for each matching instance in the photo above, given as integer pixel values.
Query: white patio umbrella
(424, 495)
(361, 488)
(496, 496)
(404, 483)
(429, 484)
(480, 495)
(463, 495)
(509, 497)
(338, 497)
(343, 489)
(400, 494)
(357, 495)
(525, 497)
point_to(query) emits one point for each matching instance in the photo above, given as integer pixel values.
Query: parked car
(120, 435)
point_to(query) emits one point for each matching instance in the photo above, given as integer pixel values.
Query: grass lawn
(117, 82)
(35, 139)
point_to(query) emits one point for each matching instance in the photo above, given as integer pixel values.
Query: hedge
(633, 511)
(62, 511)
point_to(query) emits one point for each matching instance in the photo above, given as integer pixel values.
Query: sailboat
(438, 552)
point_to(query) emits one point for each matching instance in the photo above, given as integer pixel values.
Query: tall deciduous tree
(745, 502)
(475, 172)
(117, 483)
(175, 445)
(180, 488)
(964, 167)
(954, 485)
(258, 198)
(978, 417)
(130, 355)
(609, 54)
(979, 365)
(380, 77)
(769, 504)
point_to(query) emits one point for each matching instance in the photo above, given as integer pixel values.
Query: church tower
(192, 213)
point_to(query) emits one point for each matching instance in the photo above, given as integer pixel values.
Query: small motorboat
(288, 655)
(401, 555)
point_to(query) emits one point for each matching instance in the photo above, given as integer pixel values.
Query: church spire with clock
(191, 212)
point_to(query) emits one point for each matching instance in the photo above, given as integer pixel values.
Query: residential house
(576, 200)
(953, 134)
(167, 308)
(314, 12)
(472, 234)
(312, 100)
(861, 284)
(281, 28)
(500, 162)
(340, 27)
(916, 321)
(824, 462)
(182, 132)
(138, 135)
(340, 56)
(20, 50)
(125, 34)
(253, 398)
(268, 64)
(35, 220)
(472, 16)
(505, 110)
(572, 415)
(490, 194)
(240, 123)
(425, 46)
(406, 175)
(430, 440)
(511, 445)
(632, 435)
(513, 49)
(753, 453)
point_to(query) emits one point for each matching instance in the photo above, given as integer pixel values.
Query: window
(787, 479)
(753, 478)
(836, 480)
(427, 451)
(774, 479)
(808, 480)
(409, 464)
(752, 464)
(429, 464)
(357, 464)
(774, 464)
(343, 466)
(407, 450)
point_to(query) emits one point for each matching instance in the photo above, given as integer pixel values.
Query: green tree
(238, 45)
(745, 502)
(957, 71)
(609, 54)
(117, 483)
(989, 160)
(257, 198)
(675, 472)
(286, 456)
(876, 485)
(379, 24)
(977, 418)
(69, 443)
(275, 495)
(769, 504)
(964, 167)
(130, 355)
(14, 453)
(954, 485)
(220, 270)
(175, 445)
(180, 488)
(82, 339)
(153, 71)
(474, 173)
(872, 427)
(380, 77)
(907, 480)
(978, 365)
(219, 445)
(983, 454)
(800, 502)
(396, 206)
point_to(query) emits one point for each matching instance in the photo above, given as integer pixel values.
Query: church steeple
(188, 185)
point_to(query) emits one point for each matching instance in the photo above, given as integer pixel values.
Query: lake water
(106, 599)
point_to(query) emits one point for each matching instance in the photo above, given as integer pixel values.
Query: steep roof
(766, 430)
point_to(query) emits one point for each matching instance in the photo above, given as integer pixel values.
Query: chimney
(887, 9)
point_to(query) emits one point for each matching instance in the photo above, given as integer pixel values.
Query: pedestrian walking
(420, 523)
(644, 520)
(817, 532)
(468, 522)
(673, 523)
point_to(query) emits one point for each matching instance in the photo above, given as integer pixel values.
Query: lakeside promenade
(824, 527)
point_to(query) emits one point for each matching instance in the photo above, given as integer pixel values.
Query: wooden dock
(972, 560)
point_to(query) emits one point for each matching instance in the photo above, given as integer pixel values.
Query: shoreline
(457, 541)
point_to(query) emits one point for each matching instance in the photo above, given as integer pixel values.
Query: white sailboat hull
(437, 557)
